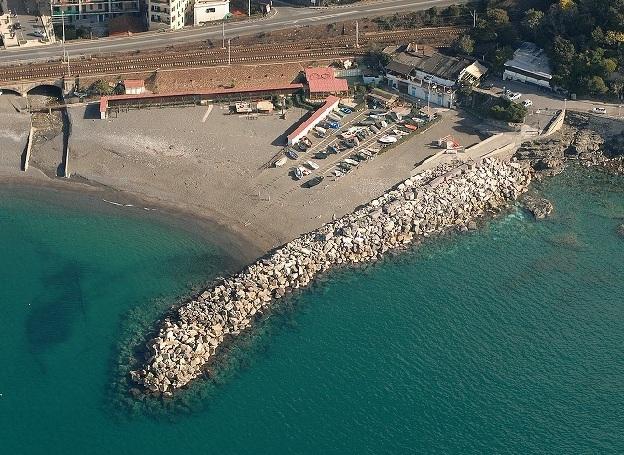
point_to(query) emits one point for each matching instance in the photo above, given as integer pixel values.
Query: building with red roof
(322, 83)
(317, 117)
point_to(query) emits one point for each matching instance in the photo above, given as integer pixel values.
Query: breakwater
(444, 197)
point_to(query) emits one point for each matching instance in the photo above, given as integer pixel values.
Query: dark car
(313, 182)
(320, 155)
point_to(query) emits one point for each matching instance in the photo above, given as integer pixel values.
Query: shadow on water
(55, 312)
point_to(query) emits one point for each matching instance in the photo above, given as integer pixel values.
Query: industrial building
(529, 64)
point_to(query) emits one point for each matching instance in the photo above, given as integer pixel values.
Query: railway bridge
(26, 86)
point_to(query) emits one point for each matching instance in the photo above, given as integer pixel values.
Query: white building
(529, 65)
(171, 14)
(210, 10)
(431, 76)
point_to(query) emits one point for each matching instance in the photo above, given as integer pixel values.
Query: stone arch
(46, 89)
(10, 91)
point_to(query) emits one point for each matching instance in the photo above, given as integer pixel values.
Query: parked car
(514, 96)
(346, 110)
(333, 125)
(527, 103)
(599, 110)
(320, 155)
(313, 182)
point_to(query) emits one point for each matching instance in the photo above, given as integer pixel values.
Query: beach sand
(205, 163)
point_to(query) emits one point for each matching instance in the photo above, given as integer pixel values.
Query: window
(210, 10)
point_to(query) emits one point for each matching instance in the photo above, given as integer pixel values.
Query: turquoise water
(508, 340)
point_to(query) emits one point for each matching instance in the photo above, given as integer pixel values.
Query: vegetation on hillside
(583, 38)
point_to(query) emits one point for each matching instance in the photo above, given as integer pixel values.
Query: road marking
(207, 113)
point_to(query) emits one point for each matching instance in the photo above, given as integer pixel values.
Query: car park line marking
(207, 113)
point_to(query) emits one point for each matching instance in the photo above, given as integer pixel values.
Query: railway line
(343, 46)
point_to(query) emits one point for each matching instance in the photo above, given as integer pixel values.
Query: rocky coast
(449, 196)
(585, 139)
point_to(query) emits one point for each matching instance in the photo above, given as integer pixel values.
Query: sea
(509, 339)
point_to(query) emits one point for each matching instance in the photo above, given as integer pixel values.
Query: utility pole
(65, 54)
(474, 18)
(357, 34)
(223, 34)
(229, 52)
(249, 8)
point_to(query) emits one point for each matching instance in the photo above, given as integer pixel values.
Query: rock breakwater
(446, 197)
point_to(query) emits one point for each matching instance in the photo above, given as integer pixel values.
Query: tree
(563, 51)
(101, 87)
(497, 17)
(597, 86)
(464, 45)
(532, 22)
(500, 57)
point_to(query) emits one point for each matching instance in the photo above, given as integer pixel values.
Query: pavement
(286, 17)
(545, 102)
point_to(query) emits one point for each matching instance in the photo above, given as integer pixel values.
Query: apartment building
(89, 11)
(171, 14)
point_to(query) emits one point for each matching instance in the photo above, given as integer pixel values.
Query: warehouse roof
(528, 57)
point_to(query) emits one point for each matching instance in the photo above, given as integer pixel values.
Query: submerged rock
(620, 230)
(539, 207)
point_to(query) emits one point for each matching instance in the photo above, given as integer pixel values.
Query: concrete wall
(555, 124)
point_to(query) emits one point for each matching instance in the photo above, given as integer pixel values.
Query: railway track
(213, 56)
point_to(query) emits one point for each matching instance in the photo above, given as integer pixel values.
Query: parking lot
(334, 152)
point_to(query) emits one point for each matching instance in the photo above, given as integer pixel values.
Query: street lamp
(565, 104)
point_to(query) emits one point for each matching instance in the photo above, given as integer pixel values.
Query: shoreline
(239, 248)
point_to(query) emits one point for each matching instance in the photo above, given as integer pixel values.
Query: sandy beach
(203, 162)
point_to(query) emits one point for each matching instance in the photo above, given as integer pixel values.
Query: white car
(599, 110)
(514, 96)
(527, 103)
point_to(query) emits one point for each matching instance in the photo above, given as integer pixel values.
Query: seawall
(447, 196)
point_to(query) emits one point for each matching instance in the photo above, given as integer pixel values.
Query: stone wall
(436, 200)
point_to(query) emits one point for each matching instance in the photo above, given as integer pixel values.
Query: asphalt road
(286, 17)
(545, 102)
